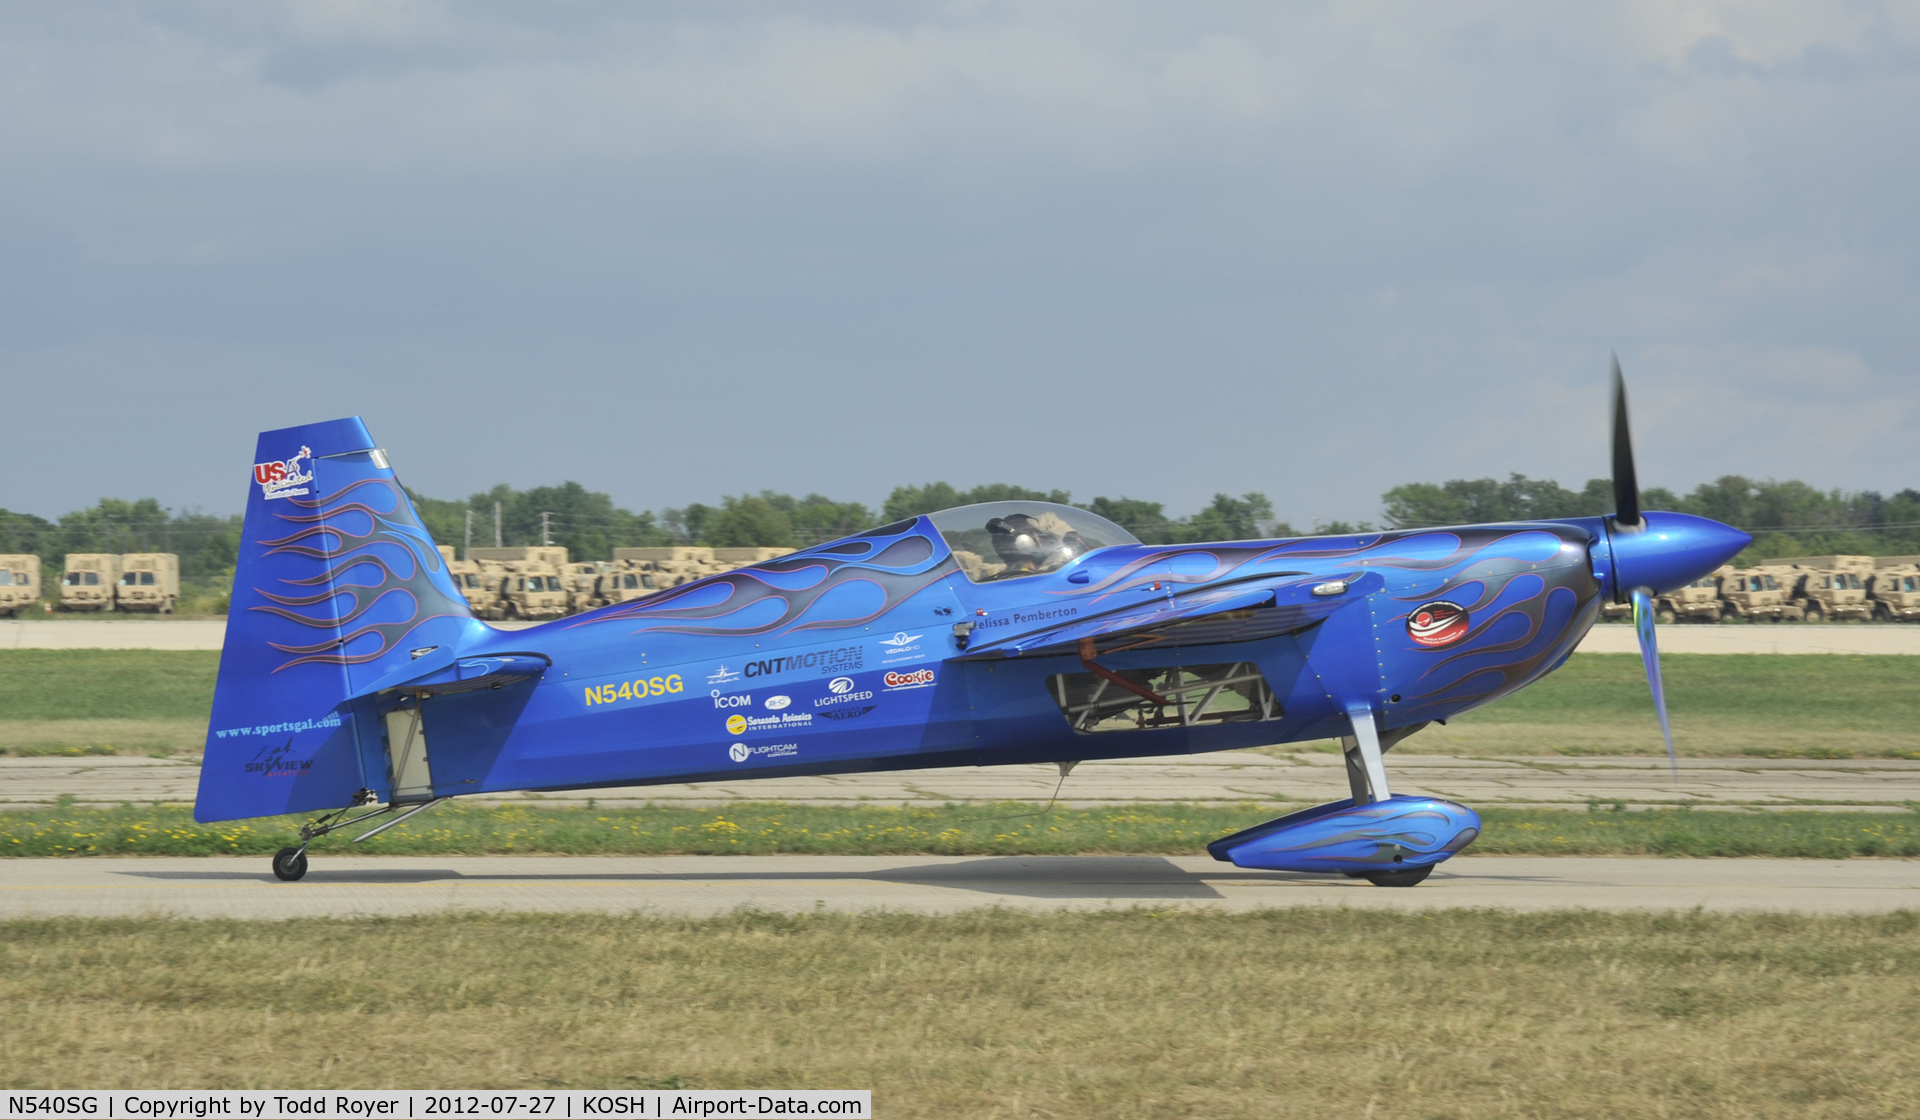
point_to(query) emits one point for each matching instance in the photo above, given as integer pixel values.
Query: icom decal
(736, 700)
(285, 478)
(1438, 624)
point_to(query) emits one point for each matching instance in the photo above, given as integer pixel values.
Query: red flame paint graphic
(1438, 624)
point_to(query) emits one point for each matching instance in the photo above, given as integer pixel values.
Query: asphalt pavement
(695, 886)
(1224, 777)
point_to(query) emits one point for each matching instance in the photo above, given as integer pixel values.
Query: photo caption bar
(434, 1104)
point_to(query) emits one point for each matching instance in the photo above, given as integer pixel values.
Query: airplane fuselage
(894, 659)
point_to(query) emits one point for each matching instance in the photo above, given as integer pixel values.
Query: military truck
(1830, 587)
(629, 580)
(19, 584)
(471, 582)
(1698, 601)
(1894, 588)
(88, 583)
(526, 580)
(1758, 594)
(582, 580)
(670, 567)
(149, 582)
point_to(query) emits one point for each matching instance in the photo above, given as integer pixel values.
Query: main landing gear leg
(1367, 778)
(290, 864)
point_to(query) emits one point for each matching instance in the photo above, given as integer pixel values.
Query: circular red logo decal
(1438, 624)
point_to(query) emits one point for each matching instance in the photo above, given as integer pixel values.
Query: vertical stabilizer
(338, 586)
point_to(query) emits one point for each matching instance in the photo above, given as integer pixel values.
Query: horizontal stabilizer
(461, 674)
(1238, 612)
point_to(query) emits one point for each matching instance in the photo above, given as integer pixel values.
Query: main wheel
(289, 864)
(1406, 877)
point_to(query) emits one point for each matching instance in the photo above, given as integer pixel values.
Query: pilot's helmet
(1024, 543)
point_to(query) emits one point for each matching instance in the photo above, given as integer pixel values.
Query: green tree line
(1787, 518)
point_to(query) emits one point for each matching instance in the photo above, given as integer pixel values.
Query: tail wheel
(1405, 877)
(289, 864)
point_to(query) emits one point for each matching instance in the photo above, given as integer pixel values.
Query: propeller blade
(1626, 483)
(1650, 656)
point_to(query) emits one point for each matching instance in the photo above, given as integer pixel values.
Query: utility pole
(546, 535)
(467, 545)
(496, 524)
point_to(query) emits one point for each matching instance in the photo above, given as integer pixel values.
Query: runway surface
(207, 634)
(697, 886)
(1222, 777)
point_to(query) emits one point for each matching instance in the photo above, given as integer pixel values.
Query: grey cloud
(678, 250)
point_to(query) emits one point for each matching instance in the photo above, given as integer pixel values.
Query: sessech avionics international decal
(738, 724)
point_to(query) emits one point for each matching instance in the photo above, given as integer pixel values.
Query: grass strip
(1122, 1014)
(766, 828)
(90, 684)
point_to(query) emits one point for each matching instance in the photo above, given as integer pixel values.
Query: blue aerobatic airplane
(355, 682)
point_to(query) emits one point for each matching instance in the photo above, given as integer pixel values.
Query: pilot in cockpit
(1029, 544)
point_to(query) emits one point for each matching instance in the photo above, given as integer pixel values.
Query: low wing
(1237, 612)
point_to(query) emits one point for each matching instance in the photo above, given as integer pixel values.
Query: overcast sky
(1146, 249)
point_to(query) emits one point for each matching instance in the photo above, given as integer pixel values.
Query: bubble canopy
(1008, 540)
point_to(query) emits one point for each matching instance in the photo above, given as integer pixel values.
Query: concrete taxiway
(339, 886)
(1225, 777)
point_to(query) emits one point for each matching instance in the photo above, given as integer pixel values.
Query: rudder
(337, 588)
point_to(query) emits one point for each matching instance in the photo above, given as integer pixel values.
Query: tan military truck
(1698, 601)
(1831, 587)
(582, 579)
(526, 580)
(671, 566)
(629, 580)
(1757, 594)
(19, 584)
(1894, 588)
(149, 582)
(88, 583)
(468, 577)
